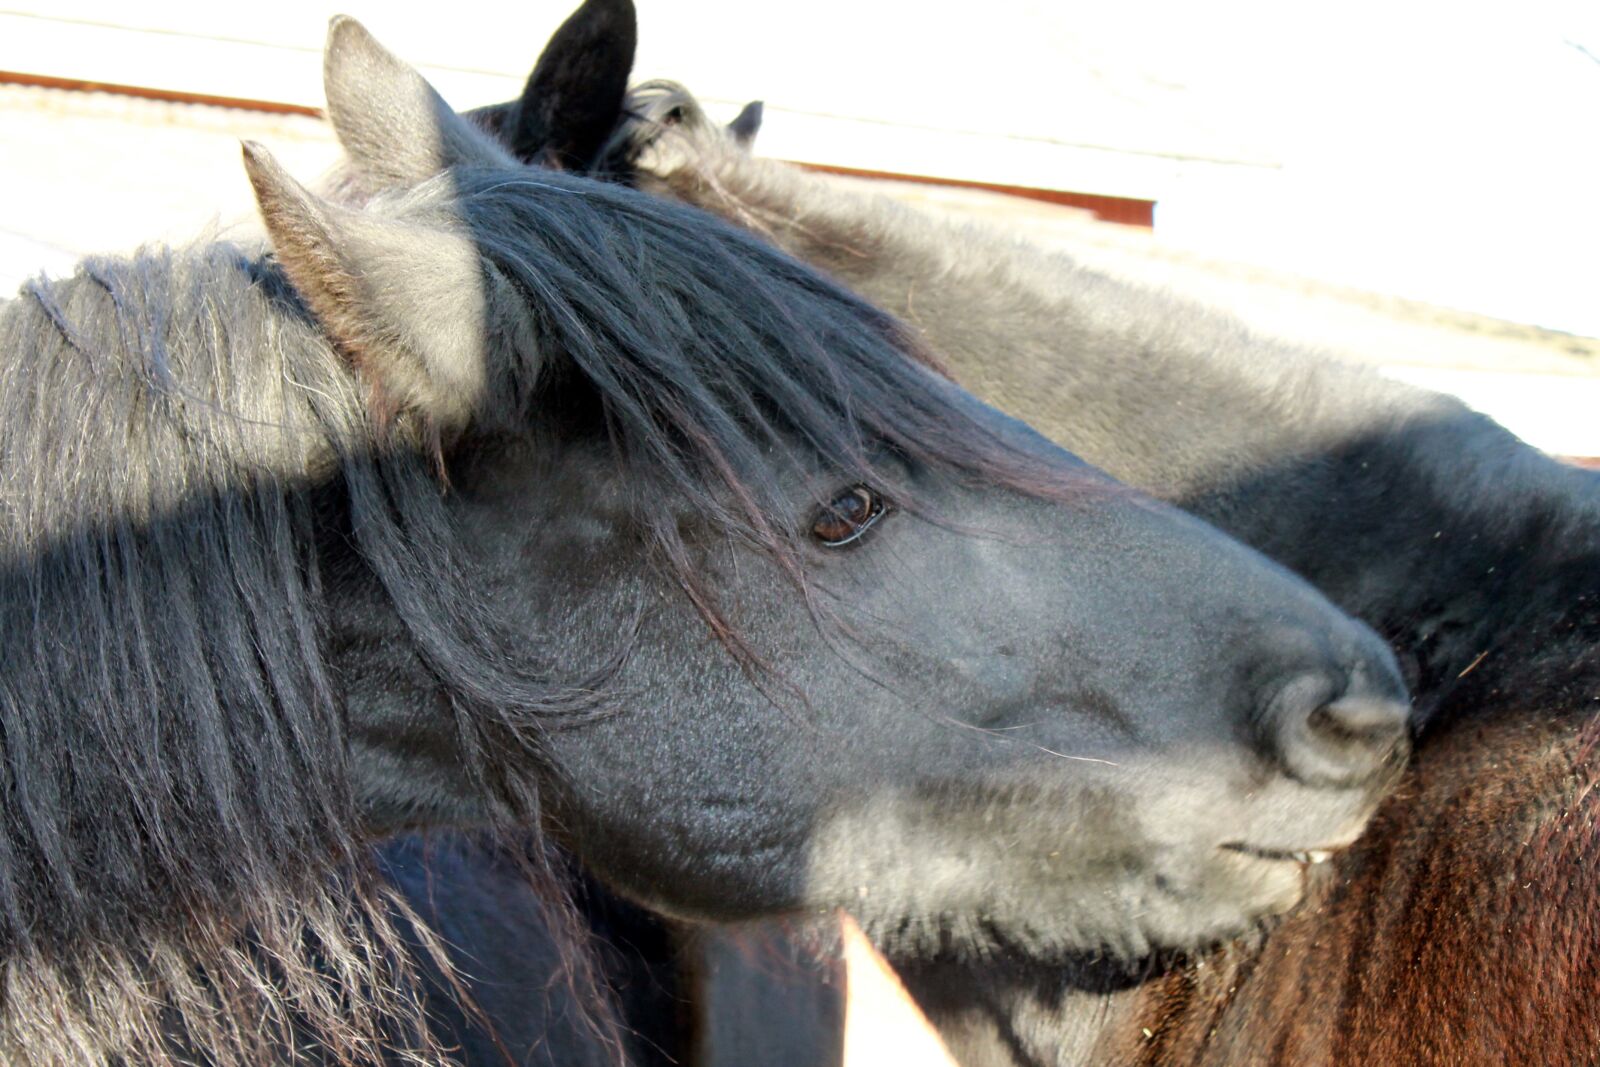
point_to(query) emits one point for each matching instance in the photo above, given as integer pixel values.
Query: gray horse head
(871, 643)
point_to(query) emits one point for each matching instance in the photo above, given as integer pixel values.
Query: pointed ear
(394, 126)
(573, 99)
(423, 317)
(746, 124)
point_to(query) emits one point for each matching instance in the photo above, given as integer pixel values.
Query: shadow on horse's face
(876, 645)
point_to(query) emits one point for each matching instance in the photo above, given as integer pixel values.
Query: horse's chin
(1203, 904)
(967, 885)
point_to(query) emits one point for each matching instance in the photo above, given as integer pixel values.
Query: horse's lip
(1297, 855)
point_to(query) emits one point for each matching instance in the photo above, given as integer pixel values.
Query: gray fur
(1469, 550)
(247, 628)
(1325, 466)
(1148, 377)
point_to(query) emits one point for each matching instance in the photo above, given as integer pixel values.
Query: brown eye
(851, 514)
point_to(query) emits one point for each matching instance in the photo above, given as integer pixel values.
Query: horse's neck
(1424, 519)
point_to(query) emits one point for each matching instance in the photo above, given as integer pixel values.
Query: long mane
(182, 865)
(168, 717)
(181, 859)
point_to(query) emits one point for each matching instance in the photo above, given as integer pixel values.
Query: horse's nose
(1339, 728)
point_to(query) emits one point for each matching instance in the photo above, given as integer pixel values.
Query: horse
(519, 502)
(1477, 558)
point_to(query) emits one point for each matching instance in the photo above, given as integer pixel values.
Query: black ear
(746, 124)
(573, 99)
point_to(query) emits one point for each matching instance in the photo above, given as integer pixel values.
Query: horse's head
(854, 638)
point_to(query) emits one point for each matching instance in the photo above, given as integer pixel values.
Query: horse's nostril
(1359, 720)
(1368, 729)
(1342, 742)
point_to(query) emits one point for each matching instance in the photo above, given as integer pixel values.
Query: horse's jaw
(1110, 870)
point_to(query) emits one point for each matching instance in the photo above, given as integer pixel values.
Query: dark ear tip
(612, 18)
(747, 123)
(615, 7)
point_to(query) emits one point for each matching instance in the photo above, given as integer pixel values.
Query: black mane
(707, 349)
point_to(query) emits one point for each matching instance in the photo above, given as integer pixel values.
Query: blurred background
(1414, 183)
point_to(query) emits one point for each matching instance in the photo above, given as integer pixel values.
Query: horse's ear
(394, 126)
(422, 316)
(746, 124)
(573, 99)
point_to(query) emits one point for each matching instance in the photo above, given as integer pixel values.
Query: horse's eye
(846, 520)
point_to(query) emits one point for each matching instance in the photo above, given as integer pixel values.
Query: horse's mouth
(1305, 857)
